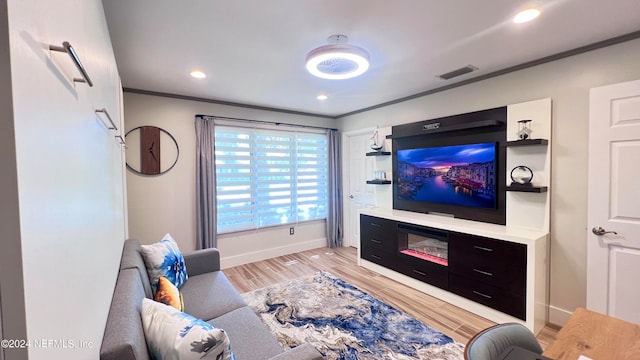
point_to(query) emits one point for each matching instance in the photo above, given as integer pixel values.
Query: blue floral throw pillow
(164, 259)
(173, 335)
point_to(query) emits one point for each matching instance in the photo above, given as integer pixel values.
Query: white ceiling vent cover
(338, 60)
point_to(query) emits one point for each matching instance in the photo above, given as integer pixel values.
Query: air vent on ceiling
(463, 70)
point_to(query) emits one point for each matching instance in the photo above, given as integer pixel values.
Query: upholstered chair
(489, 343)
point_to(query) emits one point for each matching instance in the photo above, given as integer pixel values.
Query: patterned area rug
(343, 322)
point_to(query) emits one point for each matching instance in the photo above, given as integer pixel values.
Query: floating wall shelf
(379, 153)
(378, 182)
(531, 189)
(527, 142)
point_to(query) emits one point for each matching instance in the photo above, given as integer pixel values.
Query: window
(269, 177)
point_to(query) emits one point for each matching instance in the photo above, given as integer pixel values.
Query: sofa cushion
(209, 295)
(123, 335)
(132, 259)
(250, 338)
(169, 294)
(172, 334)
(164, 258)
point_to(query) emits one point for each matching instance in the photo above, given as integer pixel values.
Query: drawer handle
(376, 257)
(376, 225)
(375, 241)
(420, 272)
(482, 248)
(483, 295)
(483, 272)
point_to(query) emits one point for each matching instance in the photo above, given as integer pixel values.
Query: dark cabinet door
(425, 271)
(378, 233)
(493, 262)
(488, 271)
(377, 256)
(488, 295)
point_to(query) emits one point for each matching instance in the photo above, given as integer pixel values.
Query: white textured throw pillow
(164, 259)
(174, 335)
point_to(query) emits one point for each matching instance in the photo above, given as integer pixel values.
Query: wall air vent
(463, 70)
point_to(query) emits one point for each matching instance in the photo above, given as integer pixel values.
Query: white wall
(167, 203)
(12, 313)
(567, 83)
(68, 174)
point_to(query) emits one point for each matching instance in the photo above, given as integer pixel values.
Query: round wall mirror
(151, 150)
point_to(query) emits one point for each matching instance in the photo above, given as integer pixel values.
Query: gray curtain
(206, 218)
(335, 229)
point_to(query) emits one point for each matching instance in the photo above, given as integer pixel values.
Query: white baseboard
(230, 261)
(558, 316)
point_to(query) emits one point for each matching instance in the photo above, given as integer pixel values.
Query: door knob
(598, 230)
(350, 196)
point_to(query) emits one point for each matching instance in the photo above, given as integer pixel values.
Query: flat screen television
(459, 175)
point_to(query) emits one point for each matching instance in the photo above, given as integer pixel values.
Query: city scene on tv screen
(463, 175)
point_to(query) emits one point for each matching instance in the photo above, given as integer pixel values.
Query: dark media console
(491, 270)
(454, 226)
(488, 271)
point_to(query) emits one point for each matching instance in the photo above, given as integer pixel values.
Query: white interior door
(613, 240)
(359, 195)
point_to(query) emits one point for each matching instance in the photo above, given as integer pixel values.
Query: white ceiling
(253, 51)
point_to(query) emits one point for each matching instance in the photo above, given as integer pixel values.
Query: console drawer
(377, 256)
(377, 232)
(488, 295)
(430, 273)
(511, 280)
(484, 251)
(497, 263)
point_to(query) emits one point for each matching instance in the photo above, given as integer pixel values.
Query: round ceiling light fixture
(198, 74)
(526, 15)
(338, 60)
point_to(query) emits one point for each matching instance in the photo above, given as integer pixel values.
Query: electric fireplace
(424, 244)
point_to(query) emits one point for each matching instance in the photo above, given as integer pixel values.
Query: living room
(152, 210)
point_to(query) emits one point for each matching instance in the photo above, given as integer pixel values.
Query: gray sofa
(208, 295)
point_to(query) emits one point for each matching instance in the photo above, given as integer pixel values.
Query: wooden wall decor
(153, 160)
(150, 150)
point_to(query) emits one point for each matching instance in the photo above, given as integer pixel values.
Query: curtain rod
(266, 122)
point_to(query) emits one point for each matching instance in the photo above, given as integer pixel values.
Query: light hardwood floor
(459, 324)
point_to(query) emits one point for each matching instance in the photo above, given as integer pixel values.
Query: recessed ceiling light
(322, 97)
(198, 74)
(526, 15)
(337, 60)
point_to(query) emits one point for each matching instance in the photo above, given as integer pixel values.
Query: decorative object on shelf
(524, 129)
(379, 175)
(521, 176)
(373, 143)
(149, 161)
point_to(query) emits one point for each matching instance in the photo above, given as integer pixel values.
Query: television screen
(463, 175)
